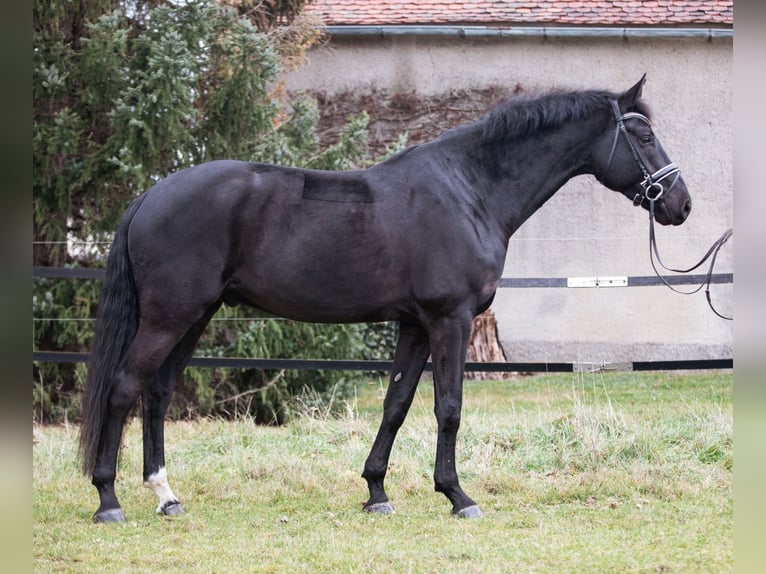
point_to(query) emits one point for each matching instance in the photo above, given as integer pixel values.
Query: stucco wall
(586, 230)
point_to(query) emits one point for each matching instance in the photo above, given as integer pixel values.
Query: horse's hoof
(112, 515)
(472, 511)
(171, 508)
(380, 508)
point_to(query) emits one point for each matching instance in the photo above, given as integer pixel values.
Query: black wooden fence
(505, 282)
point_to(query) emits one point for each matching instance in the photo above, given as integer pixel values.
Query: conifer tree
(126, 92)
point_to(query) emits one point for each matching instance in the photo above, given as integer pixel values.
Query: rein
(654, 190)
(711, 254)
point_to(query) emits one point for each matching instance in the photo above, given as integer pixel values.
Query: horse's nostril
(687, 208)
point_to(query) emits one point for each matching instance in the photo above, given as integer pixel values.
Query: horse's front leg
(449, 343)
(409, 359)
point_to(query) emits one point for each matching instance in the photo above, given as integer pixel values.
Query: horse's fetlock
(445, 486)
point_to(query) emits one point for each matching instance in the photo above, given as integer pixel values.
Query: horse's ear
(630, 97)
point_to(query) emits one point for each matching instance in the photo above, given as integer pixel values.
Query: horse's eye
(646, 138)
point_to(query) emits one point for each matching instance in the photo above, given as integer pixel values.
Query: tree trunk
(484, 345)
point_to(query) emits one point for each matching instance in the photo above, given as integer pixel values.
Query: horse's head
(628, 157)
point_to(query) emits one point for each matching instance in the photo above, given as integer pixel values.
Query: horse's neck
(528, 171)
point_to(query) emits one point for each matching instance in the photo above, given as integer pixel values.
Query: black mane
(523, 114)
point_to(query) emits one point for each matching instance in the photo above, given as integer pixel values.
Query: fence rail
(351, 365)
(505, 282)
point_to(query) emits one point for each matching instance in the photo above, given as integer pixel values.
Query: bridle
(651, 182)
(653, 189)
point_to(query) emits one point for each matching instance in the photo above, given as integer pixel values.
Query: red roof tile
(509, 12)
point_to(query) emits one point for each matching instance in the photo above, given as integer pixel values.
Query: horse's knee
(448, 416)
(394, 414)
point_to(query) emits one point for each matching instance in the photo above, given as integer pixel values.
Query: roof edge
(527, 31)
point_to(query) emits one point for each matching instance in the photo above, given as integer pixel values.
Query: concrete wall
(586, 230)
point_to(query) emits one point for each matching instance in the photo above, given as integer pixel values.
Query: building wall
(586, 230)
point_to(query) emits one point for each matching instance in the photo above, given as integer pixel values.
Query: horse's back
(306, 244)
(265, 234)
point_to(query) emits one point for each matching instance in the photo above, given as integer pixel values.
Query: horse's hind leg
(409, 359)
(144, 358)
(155, 401)
(121, 401)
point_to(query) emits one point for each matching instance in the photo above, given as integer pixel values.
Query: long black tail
(116, 326)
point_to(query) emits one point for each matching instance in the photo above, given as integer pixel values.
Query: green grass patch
(575, 473)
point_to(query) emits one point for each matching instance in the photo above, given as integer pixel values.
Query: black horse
(419, 239)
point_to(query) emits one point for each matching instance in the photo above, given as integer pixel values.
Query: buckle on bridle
(648, 186)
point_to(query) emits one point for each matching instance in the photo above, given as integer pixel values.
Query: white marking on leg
(158, 483)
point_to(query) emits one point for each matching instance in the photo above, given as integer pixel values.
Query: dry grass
(576, 473)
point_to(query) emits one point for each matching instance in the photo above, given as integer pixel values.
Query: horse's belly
(328, 288)
(317, 304)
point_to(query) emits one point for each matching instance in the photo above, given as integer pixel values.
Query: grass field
(575, 473)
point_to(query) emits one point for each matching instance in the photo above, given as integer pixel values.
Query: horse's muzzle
(672, 213)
